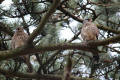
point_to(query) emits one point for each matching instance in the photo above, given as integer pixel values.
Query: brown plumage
(19, 39)
(90, 32)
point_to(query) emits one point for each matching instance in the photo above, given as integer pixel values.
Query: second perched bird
(19, 39)
(90, 32)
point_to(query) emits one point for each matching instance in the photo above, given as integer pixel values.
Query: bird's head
(87, 20)
(19, 29)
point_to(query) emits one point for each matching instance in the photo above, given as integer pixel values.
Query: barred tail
(27, 61)
(95, 54)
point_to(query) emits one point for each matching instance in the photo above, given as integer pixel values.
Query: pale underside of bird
(90, 32)
(19, 39)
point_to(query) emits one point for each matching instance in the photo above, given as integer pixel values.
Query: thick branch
(61, 46)
(44, 20)
(1, 1)
(107, 41)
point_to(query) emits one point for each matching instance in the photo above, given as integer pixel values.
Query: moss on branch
(106, 28)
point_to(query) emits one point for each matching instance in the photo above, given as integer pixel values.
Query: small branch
(56, 53)
(69, 14)
(104, 5)
(23, 14)
(81, 20)
(36, 76)
(6, 29)
(48, 61)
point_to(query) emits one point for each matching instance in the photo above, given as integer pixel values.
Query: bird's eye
(18, 29)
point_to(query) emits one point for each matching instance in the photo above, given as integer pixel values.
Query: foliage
(49, 61)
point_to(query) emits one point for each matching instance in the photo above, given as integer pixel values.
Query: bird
(90, 32)
(19, 39)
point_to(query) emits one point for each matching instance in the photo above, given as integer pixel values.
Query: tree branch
(1, 1)
(36, 76)
(6, 29)
(44, 20)
(106, 28)
(81, 20)
(61, 46)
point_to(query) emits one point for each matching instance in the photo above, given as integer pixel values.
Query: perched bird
(90, 32)
(19, 39)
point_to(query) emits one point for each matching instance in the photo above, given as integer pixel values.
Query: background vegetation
(46, 46)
